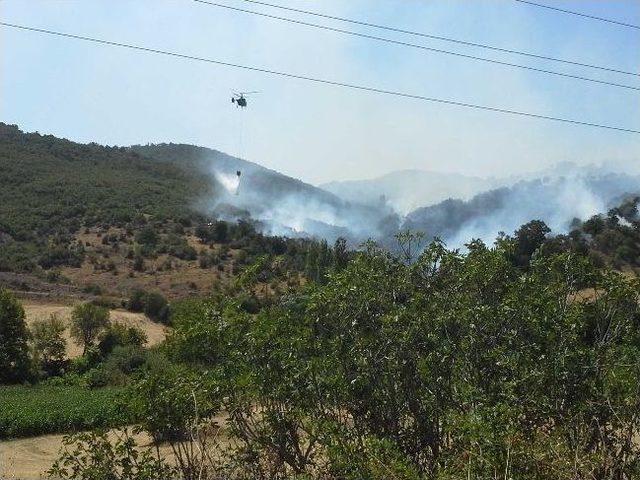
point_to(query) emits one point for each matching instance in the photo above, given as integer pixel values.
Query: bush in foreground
(452, 366)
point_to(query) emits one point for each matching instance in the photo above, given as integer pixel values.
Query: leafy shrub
(120, 335)
(153, 304)
(94, 456)
(89, 360)
(116, 369)
(137, 300)
(138, 263)
(147, 236)
(156, 307)
(169, 398)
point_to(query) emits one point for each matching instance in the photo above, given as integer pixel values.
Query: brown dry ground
(42, 310)
(173, 277)
(185, 278)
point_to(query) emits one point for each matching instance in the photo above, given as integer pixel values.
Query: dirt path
(39, 311)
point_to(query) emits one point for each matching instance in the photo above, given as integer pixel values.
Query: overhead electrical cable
(580, 14)
(444, 39)
(318, 80)
(421, 47)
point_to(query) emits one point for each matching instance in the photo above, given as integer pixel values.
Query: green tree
(137, 300)
(14, 349)
(340, 254)
(49, 345)
(156, 307)
(529, 237)
(120, 335)
(221, 232)
(87, 321)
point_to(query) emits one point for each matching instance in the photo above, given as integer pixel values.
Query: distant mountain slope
(557, 201)
(406, 190)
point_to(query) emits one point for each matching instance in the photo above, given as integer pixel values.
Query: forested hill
(54, 186)
(119, 218)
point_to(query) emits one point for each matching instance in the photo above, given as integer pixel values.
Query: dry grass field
(39, 311)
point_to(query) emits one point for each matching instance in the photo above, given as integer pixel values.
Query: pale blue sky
(88, 92)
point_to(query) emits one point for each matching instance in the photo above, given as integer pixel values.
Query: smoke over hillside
(555, 200)
(280, 205)
(406, 190)
(284, 206)
(463, 207)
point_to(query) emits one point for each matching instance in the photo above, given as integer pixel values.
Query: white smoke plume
(231, 182)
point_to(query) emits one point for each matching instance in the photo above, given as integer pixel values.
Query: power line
(421, 47)
(319, 80)
(580, 14)
(445, 39)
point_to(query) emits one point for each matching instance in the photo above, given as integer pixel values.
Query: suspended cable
(580, 14)
(444, 39)
(319, 80)
(421, 47)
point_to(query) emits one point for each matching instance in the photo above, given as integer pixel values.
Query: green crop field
(36, 410)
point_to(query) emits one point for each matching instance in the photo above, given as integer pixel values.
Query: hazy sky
(88, 92)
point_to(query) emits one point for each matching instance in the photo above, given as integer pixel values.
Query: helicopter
(239, 98)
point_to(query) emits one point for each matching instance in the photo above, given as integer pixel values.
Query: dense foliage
(452, 366)
(311, 361)
(52, 185)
